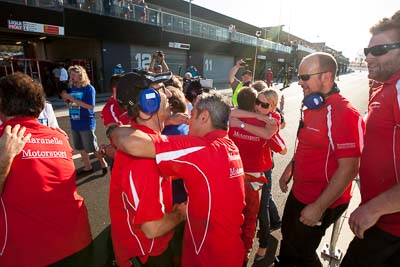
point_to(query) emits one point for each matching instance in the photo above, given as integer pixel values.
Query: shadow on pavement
(80, 180)
(83, 178)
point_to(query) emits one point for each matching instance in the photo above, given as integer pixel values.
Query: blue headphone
(313, 101)
(149, 101)
(316, 100)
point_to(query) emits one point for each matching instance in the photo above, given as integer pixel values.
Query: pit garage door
(175, 58)
(217, 67)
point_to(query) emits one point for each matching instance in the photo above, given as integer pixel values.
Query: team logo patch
(375, 105)
(346, 146)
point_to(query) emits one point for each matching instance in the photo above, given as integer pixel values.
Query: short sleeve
(347, 135)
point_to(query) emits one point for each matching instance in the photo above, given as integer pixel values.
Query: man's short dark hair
(247, 72)
(387, 24)
(128, 89)
(327, 63)
(247, 98)
(192, 88)
(21, 96)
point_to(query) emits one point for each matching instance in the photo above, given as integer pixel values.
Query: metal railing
(178, 24)
(275, 46)
(167, 21)
(306, 49)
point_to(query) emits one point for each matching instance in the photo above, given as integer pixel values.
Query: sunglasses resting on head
(380, 50)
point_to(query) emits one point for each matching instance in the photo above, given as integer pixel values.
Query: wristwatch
(242, 125)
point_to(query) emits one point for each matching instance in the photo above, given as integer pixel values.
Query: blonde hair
(82, 74)
(271, 95)
(177, 82)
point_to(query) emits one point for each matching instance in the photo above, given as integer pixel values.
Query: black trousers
(83, 257)
(377, 249)
(299, 241)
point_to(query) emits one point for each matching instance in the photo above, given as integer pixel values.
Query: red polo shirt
(380, 160)
(334, 131)
(251, 147)
(112, 113)
(213, 174)
(42, 217)
(135, 198)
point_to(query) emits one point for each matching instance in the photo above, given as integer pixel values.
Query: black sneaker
(275, 227)
(258, 258)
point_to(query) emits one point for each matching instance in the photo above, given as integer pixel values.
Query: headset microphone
(149, 101)
(316, 100)
(313, 101)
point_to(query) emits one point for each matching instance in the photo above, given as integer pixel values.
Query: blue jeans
(268, 215)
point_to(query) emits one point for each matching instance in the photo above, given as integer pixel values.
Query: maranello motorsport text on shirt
(45, 141)
(43, 154)
(40, 153)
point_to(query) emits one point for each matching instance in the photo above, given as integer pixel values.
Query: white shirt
(63, 75)
(47, 116)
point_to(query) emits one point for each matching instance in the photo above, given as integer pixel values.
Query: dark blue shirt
(83, 119)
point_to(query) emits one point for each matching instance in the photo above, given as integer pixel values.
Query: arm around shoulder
(132, 141)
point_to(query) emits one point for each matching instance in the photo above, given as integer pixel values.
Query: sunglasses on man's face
(306, 77)
(380, 50)
(262, 104)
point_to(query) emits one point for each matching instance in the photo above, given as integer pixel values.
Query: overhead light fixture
(18, 43)
(42, 38)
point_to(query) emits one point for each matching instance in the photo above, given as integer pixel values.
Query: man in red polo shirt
(376, 222)
(326, 161)
(210, 165)
(43, 220)
(140, 201)
(112, 113)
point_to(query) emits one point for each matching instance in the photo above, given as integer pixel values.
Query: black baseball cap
(132, 83)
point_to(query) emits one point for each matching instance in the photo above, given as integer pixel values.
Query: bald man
(324, 164)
